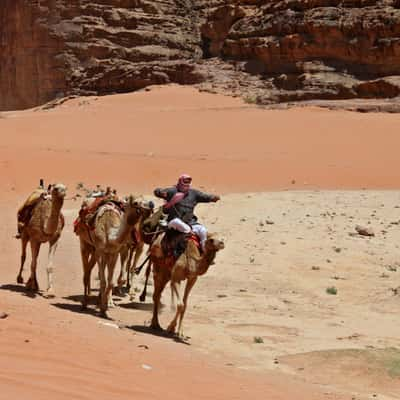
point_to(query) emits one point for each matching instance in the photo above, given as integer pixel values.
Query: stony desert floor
(264, 321)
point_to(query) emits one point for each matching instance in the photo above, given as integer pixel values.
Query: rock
(363, 231)
(93, 48)
(269, 222)
(265, 51)
(3, 315)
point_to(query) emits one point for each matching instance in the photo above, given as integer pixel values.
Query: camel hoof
(156, 327)
(32, 285)
(142, 297)
(50, 294)
(171, 330)
(121, 282)
(20, 279)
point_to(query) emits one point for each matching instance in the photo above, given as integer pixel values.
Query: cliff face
(265, 50)
(311, 49)
(51, 48)
(29, 70)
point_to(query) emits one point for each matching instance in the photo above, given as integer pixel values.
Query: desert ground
(297, 306)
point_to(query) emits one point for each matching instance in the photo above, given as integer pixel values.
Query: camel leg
(92, 263)
(32, 283)
(24, 243)
(122, 279)
(88, 262)
(189, 285)
(138, 253)
(160, 280)
(112, 261)
(174, 294)
(52, 250)
(142, 297)
(102, 293)
(128, 267)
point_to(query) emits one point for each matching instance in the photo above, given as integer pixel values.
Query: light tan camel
(189, 266)
(45, 225)
(112, 229)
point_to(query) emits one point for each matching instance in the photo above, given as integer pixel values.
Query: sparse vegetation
(258, 339)
(331, 290)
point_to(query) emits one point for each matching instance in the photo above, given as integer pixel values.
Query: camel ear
(131, 200)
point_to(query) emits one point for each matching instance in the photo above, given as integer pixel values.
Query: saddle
(174, 243)
(87, 214)
(25, 213)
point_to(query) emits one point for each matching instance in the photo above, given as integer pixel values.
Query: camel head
(58, 191)
(147, 209)
(133, 210)
(213, 244)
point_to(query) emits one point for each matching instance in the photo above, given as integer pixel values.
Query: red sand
(146, 139)
(136, 142)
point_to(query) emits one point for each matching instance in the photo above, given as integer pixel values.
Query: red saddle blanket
(87, 214)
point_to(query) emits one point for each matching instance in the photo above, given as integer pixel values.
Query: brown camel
(134, 249)
(189, 266)
(45, 225)
(112, 229)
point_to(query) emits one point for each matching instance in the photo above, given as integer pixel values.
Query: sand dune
(142, 139)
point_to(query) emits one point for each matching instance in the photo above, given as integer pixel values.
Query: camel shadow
(21, 289)
(159, 333)
(77, 308)
(138, 306)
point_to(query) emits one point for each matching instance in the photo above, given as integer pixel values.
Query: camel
(45, 225)
(189, 266)
(134, 249)
(112, 229)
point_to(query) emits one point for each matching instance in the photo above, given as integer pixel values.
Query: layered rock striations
(51, 48)
(265, 50)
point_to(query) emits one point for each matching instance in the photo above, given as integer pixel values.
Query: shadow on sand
(159, 333)
(21, 289)
(133, 305)
(77, 308)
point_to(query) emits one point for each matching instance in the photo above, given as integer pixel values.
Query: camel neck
(52, 223)
(206, 260)
(128, 223)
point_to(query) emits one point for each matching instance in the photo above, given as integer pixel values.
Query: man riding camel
(180, 203)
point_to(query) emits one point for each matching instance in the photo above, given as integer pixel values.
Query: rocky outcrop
(267, 51)
(51, 48)
(313, 49)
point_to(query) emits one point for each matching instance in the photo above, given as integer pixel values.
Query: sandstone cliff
(265, 50)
